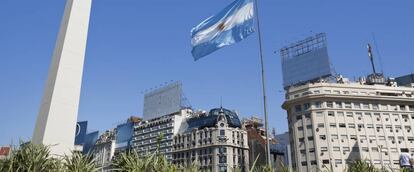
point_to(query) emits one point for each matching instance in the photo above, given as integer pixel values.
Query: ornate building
(215, 142)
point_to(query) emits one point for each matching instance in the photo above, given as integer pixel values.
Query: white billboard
(163, 101)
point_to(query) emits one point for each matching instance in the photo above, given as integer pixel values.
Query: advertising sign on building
(163, 101)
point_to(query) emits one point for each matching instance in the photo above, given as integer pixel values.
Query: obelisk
(56, 121)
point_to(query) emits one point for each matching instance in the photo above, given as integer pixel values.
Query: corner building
(147, 133)
(214, 142)
(332, 124)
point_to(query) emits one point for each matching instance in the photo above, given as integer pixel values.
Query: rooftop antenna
(412, 77)
(221, 102)
(378, 52)
(371, 57)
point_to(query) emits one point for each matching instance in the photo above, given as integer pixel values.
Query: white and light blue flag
(231, 25)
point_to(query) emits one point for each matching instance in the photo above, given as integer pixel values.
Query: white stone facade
(331, 124)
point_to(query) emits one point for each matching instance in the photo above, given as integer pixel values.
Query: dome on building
(210, 120)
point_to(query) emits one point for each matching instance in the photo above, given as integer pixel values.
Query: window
(349, 114)
(375, 106)
(370, 126)
(411, 139)
(321, 125)
(222, 132)
(317, 104)
(377, 161)
(351, 125)
(364, 149)
(222, 150)
(411, 107)
(374, 149)
(365, 105)
(393, 107)
(332, 125)
(319, 114)
(298, 108)
(322, 137)
(331, 113)
(338, 104)
(311, 150)
(342, 125)
(348, 105)
(345, 149)
(222, 159)
(338, 161)
(306, 106)
(402, 107)
(357, 105)
(341, 114)
(336, 148)
(329, 104)
(324, 149)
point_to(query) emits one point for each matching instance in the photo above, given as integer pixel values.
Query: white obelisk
(56, 122)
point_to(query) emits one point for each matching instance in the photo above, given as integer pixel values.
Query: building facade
(5, 152)
(104, 149)
(214, 142)
(332, 124)
(147, 133)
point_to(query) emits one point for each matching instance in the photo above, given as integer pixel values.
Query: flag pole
(263, 83)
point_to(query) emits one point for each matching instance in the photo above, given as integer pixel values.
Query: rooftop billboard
(305, 60)
(163, 101)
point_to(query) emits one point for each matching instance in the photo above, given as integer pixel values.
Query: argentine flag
(231, 25)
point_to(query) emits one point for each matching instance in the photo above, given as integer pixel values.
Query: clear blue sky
(134, 45)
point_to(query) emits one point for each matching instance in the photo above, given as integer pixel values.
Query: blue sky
(134, 45)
